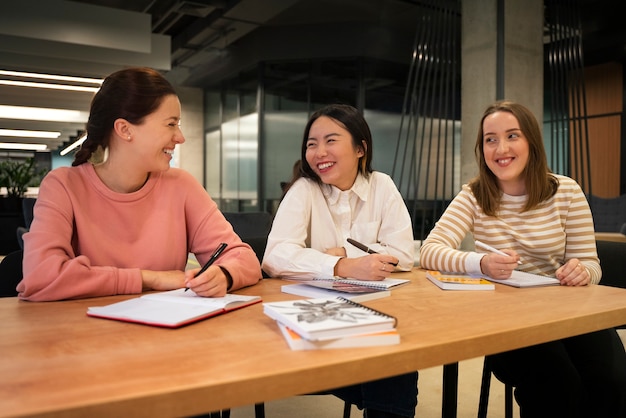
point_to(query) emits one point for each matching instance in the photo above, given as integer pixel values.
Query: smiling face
(506, 151)
(157, 135)
(331, 153)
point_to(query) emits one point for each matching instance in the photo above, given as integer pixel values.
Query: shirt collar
(360, 188)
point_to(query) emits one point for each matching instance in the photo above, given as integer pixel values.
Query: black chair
(10, 273)
(612, 255)
(253, 229)
(485, 385)
(28, 204)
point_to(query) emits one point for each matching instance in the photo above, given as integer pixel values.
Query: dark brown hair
(130, 94)
(352, 121)
(540, 183)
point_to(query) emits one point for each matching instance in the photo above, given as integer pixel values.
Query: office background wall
(255, 120)
(257, 149)
(248, 87)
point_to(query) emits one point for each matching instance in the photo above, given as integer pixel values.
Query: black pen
(216, 254)
(365, 248)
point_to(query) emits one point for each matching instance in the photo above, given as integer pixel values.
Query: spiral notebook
(388, 283)
(328, 318)
(323, 289)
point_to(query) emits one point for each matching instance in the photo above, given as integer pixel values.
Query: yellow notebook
(453, 281)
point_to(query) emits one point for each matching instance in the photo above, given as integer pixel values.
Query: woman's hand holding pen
(499, 266)
(573, 273)
(369, 267)
(213, 282)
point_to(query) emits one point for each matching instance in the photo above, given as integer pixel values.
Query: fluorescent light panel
(42, 113)
(15, 145)
(52, 77)
(49, 86)
(90, 85)
(73, 145)
(23, 133)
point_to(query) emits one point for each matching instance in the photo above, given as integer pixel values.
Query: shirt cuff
(472, 263)
(328, 266)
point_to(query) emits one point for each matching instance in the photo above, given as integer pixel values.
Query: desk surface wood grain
(56, 361)
(610, 236)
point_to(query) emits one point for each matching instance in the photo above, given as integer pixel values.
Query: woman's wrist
(229, 279)
(338, 270)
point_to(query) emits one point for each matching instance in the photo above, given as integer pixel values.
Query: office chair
(253, 229)
(28, 204)
(612, 255)
(10, 273)
(483, 401)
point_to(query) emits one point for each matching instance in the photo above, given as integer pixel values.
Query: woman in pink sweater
(120, 220)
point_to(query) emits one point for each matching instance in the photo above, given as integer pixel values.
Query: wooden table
(56, 361)
(610, 236)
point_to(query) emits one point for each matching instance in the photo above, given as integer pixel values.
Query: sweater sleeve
(207, 228)
(579, 230)
(440, 249)
(52, 269)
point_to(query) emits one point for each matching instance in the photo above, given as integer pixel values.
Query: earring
(129, 137)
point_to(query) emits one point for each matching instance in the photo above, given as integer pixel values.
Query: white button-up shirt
(313, 218)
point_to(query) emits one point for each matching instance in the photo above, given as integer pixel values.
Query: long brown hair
(130, 94)
(540, 183)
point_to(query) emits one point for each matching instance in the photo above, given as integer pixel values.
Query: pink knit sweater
(86, 240)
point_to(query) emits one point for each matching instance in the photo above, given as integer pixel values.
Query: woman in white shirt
(336, 195)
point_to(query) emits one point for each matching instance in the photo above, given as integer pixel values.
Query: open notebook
(523, 279)
(171, 309)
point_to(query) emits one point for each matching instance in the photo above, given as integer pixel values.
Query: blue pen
(216, 254)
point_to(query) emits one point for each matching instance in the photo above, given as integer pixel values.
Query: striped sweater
(558, 229)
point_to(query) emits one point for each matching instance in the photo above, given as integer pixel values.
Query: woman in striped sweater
(543, 221)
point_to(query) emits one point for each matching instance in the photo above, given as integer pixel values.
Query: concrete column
(519, 67)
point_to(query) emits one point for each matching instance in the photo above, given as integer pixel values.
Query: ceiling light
(41, 113)
(73, 145)
(52, 77)
(23, 133)
(31, 147)
(49, 86)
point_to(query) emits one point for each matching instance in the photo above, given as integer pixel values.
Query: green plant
(16, 176)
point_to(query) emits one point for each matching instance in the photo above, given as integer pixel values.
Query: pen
(493, 250)
(365, 248)
(216, 254)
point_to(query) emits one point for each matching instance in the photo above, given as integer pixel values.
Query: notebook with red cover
(171, 309)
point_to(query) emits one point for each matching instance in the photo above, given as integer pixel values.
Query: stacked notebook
(461, 281)
(324, 323)
(353, 289)
(452, 281)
